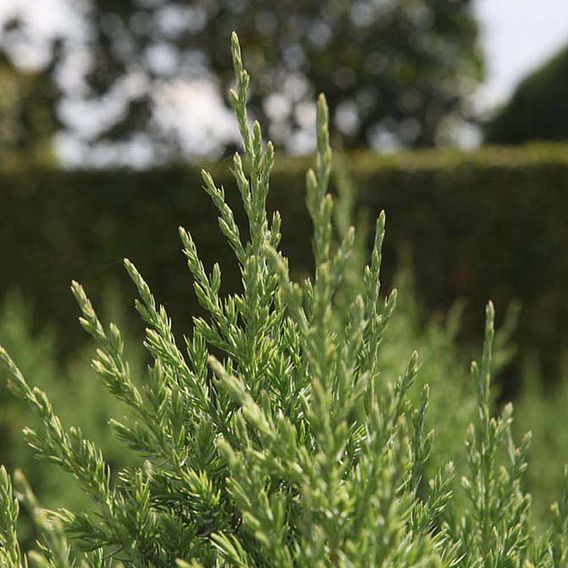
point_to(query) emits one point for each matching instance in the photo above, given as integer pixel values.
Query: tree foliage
(395, 72)
(28, 117)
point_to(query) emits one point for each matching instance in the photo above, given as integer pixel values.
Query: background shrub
(489, 223)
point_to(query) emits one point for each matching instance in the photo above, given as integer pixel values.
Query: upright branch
(273, 433)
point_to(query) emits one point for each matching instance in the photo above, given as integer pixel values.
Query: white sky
(518, 35)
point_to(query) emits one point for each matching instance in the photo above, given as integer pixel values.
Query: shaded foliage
(473, 209)
(28, 115)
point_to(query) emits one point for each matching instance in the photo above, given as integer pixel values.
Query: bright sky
(518, 35)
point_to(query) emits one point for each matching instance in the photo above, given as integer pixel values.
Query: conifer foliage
(269, 436)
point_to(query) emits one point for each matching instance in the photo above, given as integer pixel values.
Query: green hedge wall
(492, 223)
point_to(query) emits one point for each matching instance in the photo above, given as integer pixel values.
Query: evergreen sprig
(269, 436)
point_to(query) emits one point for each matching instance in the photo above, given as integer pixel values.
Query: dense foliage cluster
(273, 436)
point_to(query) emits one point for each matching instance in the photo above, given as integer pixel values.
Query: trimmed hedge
(491, 224)
(487, 224)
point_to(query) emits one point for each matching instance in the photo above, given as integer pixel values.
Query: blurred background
(142, 82)
(450, 114)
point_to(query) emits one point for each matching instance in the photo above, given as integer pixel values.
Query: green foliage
(538, 109)
(275, 436)
(72, 388)
(541, 408)
(397, 70)
(28, 119)
(472, 209)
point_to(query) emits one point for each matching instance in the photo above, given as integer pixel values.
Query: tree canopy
(396, 72)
